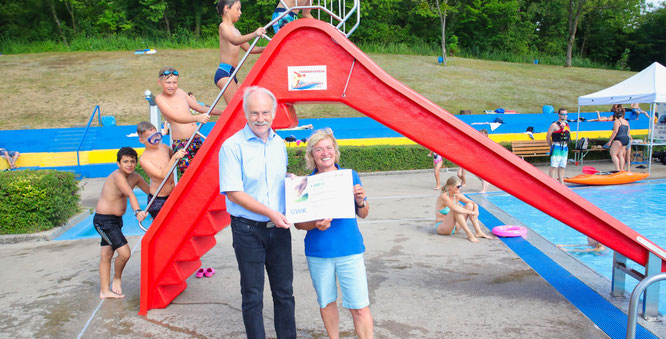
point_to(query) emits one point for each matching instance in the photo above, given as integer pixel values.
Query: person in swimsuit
(558, 139)
(10, 156)
(231, 41)
(175, 105)
(453, 209)
(156, 161)
(437, 162)
(462, 172)
(292, 14)
(108, 220)
(619, 140)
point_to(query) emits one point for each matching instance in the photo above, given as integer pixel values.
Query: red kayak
(607, 178)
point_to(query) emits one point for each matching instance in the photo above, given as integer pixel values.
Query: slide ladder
(341, 73)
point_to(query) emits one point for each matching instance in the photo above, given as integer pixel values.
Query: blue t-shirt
(341, 239)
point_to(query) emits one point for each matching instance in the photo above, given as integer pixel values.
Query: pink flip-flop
(209, 272)
(200, 273)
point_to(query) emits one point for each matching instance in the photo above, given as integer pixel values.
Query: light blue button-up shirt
(248, 164)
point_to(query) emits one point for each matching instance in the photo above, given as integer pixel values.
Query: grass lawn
(49, 90)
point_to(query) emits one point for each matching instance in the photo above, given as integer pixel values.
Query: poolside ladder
(633, 302)
(651, 297)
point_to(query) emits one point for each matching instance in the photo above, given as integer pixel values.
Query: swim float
(607, 178)
(509, 231)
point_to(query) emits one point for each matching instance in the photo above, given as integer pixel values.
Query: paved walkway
(421, 285)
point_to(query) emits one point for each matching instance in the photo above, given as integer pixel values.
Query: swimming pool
(639, 206)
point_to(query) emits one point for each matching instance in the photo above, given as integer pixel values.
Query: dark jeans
(255, 248)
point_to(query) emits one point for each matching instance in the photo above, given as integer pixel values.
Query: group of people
(619, 143)
(253, 164)
(253, 168)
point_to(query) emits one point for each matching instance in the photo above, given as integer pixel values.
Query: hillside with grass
(50, 90)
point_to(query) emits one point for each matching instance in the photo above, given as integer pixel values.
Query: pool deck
(421, 285)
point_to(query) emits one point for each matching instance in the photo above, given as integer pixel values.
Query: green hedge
(33, 201)
(371, 158)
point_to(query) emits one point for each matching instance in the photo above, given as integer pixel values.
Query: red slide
(321, 65)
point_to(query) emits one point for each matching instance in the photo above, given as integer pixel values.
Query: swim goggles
(154, 138)
(167, 73)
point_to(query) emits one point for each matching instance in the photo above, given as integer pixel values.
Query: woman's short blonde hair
(452, 181)
(314, 139)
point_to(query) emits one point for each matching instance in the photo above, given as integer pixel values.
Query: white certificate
(320, 196)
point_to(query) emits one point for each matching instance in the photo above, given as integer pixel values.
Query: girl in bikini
(453, 209)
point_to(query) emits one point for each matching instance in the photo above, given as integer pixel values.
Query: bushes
(371, 158)
(34, 201)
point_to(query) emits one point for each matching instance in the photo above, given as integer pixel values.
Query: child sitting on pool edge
(108, 220)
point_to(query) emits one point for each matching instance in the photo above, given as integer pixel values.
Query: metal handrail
(633, 302)
(240, 64)
(99, 122)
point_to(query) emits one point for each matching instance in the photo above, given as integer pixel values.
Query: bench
(579, 154)
(530, 148)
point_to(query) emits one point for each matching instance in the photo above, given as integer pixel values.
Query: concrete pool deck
(421, 285)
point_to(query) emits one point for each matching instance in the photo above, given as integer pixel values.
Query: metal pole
(633, 302)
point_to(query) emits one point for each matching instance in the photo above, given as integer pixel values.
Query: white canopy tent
(646, 87)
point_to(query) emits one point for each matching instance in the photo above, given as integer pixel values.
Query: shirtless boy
(175, 105)
(231, 41)
(292, 14)
(156, 161)
(108, 220)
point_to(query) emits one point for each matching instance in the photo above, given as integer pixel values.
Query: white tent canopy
(648, 86)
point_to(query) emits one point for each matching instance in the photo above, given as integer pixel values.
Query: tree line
(622, 34)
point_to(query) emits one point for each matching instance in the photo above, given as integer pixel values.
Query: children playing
(175, 105)
(231, 41)
(108, 220)
(156, 161)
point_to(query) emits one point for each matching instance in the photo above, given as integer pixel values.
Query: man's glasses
(167, 73)
(154, 138)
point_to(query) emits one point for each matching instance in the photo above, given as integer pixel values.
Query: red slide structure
(185, 228)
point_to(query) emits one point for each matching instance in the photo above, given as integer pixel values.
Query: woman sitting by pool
(453, 209)
(619, 140)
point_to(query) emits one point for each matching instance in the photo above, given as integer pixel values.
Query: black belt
(265, 224)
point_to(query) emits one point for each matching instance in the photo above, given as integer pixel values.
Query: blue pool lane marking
(604, 314)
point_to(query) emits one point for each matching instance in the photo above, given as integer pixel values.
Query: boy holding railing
(156, 160)
(108, 220)
(231, 41)
(175, 105)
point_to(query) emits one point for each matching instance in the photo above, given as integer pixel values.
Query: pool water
(639, 206)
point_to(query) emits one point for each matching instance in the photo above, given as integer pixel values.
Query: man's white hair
(254, 89)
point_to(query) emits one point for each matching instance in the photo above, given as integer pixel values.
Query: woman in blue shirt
(334, 247)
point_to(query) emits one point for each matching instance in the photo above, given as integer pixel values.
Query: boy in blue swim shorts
(231, 41)
(108, 220)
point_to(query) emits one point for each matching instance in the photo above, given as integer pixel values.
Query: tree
(441, 11)
(57, 22)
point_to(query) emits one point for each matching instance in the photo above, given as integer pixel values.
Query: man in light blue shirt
(253, 165)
